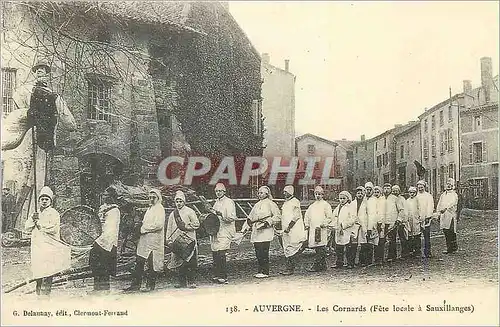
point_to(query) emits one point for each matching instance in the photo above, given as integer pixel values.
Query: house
(407, 141)
(340, 152)
(363, 161)
(384, 156)
(278, 109)
(144, 80)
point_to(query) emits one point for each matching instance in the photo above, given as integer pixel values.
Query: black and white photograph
(249, 163)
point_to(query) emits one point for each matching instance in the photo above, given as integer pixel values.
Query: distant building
(278, 109)
(384, 157)
(407, 152)
(363, 161)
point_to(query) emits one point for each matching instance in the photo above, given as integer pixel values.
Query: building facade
(278, 109)
(407, 141)
(384, 157)
(143, 81)
(363, 163)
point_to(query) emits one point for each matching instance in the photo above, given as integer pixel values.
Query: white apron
(371, 218)
(263, 208)
(153, 240)
(49, 255)
(425, 206)
(344, 222)
(448, 200)
(319, 213)
(227, 229)
(292, 241)
(411, 205)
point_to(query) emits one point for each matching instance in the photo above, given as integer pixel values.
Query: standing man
(317, 218)
(447, 209)
(362, 220)
(380, 214)
(8, 204)
(392, 218)
(294, 233)
(368, 234)
(225, 209)
(346, 229)
(49, 255)
(425, 204)
(102, 259)
(265, 213)
(414, 232)
(183, 220)
(402, 227)
(151, 244)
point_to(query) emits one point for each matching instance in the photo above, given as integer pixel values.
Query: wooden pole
(33, 141)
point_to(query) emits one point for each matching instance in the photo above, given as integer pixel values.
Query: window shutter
(471, 159)
(485, 159)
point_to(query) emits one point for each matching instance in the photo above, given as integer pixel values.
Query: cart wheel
(9, 239)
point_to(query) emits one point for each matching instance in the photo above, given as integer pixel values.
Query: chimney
(467, 87)
(363, 137)
(287, 64)
(265, 58)
(486, 77)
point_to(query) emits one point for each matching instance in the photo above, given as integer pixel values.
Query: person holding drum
(294, 233)
(151, 246)
(181, 236)
(102, 258)
(261, 219)
(317, 218)
(225, 209)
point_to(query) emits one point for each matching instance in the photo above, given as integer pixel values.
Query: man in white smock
(294, 233)
(317, 218)
(414, 232)
(368, 235)
(225, 209)
(425, 208)
(346, 229)
(151, 245)
(447, 209)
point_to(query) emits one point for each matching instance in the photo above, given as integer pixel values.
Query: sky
(362, 67)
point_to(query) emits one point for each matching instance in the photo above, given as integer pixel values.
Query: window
(413, 180)
(99, 100)
(433, 145)
(386, 178)
(376, 145)
(385, 142)
(311, 149)
(8, 86)
(356, 164)
(476, 153)
(441, 118)
(479, 187)
(257, 116)
(379, 161)
(402, 151)
(444, 141)
(366, 148)
(433, 122)
(425, 125)
(408, 148)
(426, 149)
(476, 123)
(356, 150)
(450, 114)
(441, 177)
(364, 164)
(450, 140)
(385, 159)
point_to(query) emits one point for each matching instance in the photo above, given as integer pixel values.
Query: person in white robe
(368, 235)
(414, 232)
(317, 219)
(102, 258)
(183, 220)
(263, 216)
(225, 209)
(150, 248)
(402, 227)
(447, 209)
(346, 230)
(379, 252)
(294, 233)
(393, 210)
(359, 206)
(426, 209)
(49, 255)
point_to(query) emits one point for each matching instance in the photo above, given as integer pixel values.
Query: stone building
(144, 80)
(363, 161)
(384, 157)
(278, 109)
(407, 152)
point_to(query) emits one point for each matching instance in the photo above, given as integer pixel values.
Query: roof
(481, 108)
(408, 127)
(270, 66)
(299, 138)
(441, 104)
(346, 144)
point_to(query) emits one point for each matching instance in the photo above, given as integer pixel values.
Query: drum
(80, 226)
(183, 246)
(210, 223)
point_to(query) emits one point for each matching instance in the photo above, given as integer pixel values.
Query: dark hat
(41, 63)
